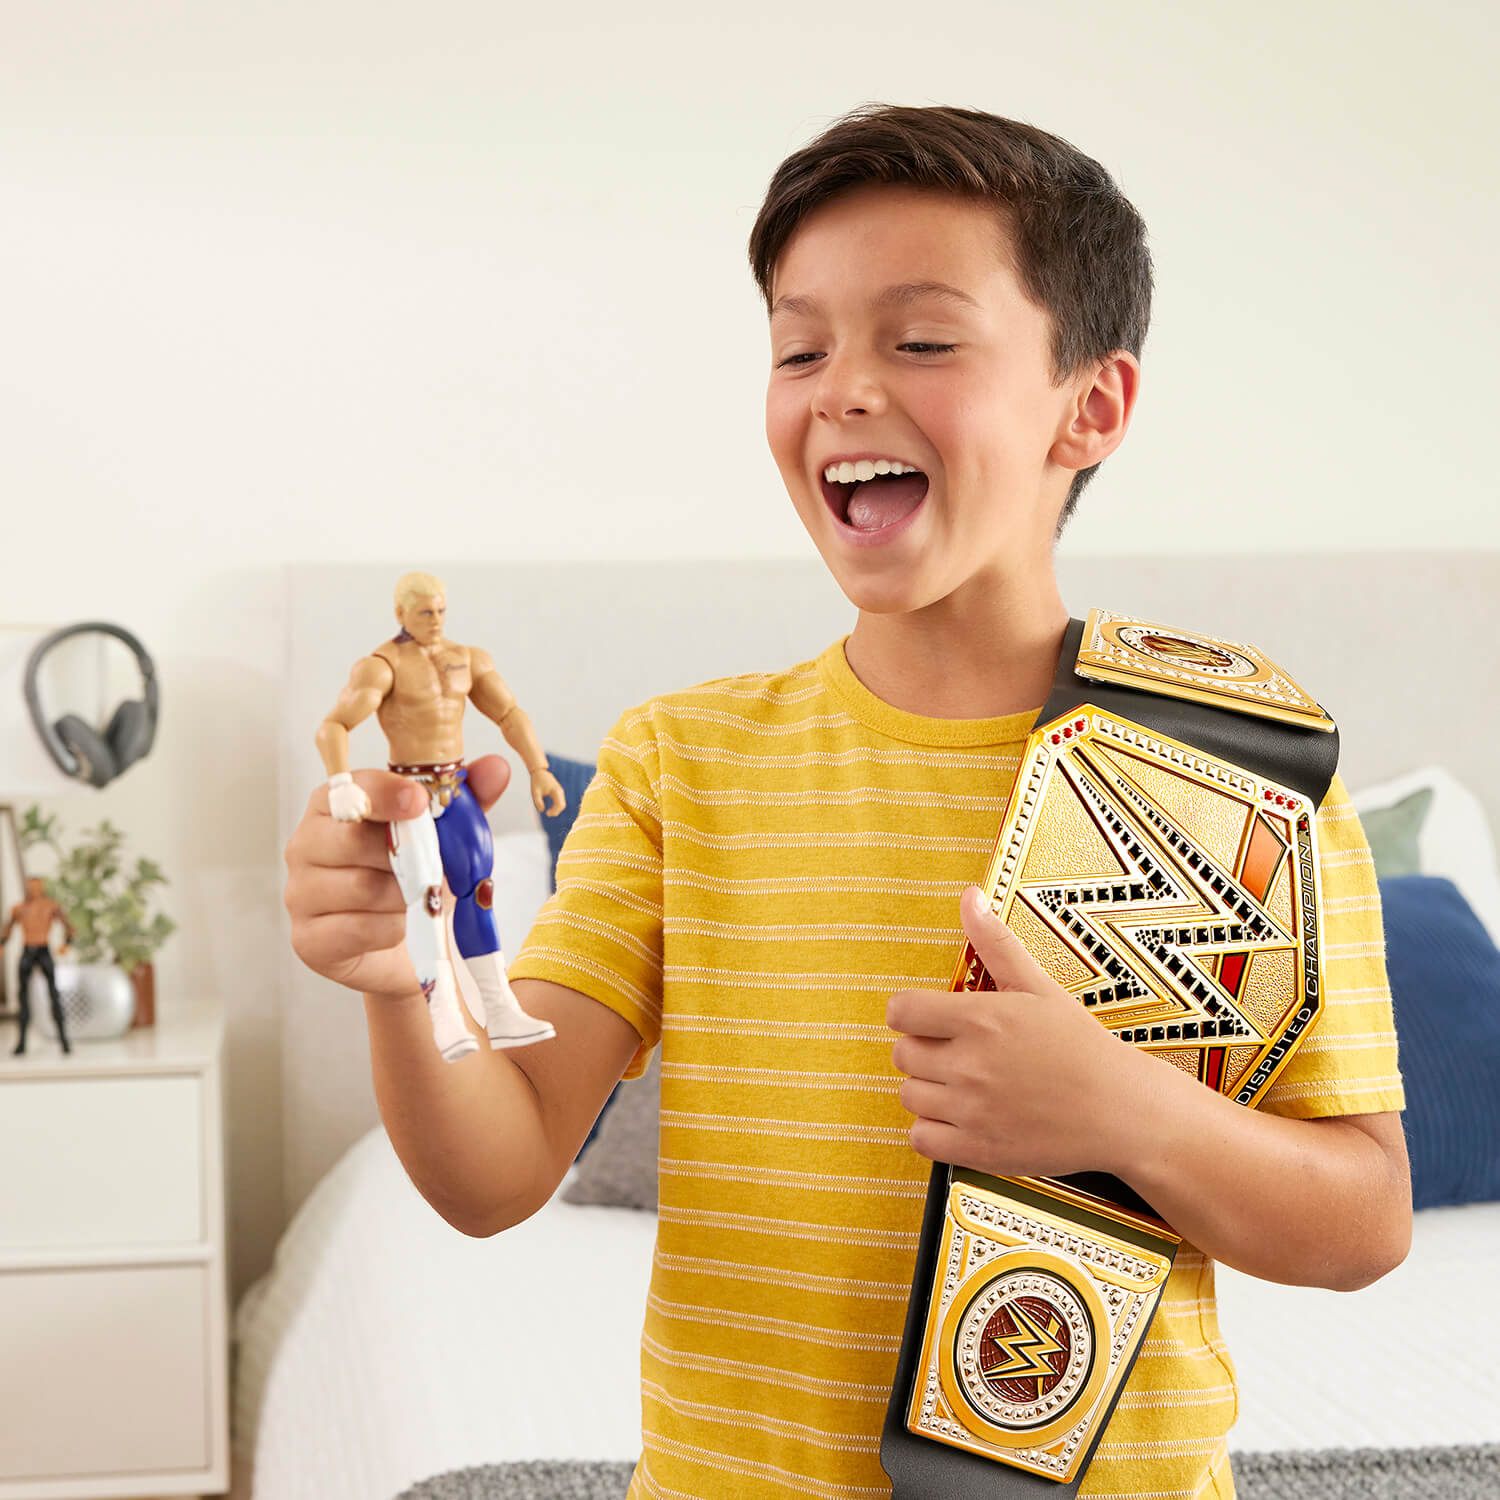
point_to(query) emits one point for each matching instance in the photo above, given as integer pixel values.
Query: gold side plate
(1032, 1323)
(1184, 664)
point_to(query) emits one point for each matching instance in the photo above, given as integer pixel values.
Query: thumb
(488, 778)
(1003, 954)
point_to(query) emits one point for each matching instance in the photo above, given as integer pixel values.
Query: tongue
(883, 502)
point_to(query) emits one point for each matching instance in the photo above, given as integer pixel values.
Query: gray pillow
(1395, 832)
(618, 1169)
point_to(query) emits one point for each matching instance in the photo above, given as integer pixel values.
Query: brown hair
(1077, 244)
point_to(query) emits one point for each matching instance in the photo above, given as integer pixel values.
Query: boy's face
(869, 361)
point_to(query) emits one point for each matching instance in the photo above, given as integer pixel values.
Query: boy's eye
(915, 347)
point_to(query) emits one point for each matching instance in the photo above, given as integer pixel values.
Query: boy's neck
(951, 662)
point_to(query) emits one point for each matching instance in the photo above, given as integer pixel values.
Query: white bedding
(385, 1347)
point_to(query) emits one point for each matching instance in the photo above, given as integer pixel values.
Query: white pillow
(523, 882)
(1454, 841)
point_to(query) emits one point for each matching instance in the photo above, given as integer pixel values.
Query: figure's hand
(348, 801)
(348, 915)
(1020, 1081)
(547, 793)
(66, 947)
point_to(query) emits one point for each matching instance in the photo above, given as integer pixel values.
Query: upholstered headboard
(1400, 648)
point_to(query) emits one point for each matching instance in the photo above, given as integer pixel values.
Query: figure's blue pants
(468, 862)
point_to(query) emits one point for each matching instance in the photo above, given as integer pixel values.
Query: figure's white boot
(507, 1024)
(445, 1009)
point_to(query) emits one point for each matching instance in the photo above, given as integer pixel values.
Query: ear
(1099, 413)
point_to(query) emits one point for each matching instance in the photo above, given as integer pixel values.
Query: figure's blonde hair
(417, 586)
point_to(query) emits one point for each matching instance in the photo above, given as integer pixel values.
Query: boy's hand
(1018, 1082)
(348, 917)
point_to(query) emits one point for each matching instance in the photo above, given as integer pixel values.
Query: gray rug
(1337, 1474)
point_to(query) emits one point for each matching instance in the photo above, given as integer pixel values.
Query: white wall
(300, 282)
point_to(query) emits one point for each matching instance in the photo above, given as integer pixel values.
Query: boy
(764, 875)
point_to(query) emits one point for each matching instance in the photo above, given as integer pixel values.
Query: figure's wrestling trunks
(441, 778)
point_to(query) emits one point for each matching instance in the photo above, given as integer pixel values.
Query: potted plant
(106, 903)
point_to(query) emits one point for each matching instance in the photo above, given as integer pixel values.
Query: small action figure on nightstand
(36, 914)
(417, 685)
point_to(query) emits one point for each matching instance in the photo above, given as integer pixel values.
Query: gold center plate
(1175, 896)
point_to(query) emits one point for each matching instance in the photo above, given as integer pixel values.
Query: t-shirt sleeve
(1347, 1063)
(601, 932)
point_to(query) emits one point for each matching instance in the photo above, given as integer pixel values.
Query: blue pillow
(1445, 985)
(574, 777)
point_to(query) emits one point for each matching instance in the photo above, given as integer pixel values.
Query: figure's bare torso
(423, 714)
(35, 918)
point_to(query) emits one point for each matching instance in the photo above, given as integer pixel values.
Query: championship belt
(1158, 858)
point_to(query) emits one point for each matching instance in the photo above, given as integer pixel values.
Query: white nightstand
(113, 1315)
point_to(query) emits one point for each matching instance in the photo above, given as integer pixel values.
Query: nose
(847, 386)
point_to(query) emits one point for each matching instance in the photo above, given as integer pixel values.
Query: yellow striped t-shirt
(759, 863)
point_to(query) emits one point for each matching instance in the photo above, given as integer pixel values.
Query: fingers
(488, 778)
(1004, 954)
(392, 797)
(927, 1100)
(926, 1013)
(937, 1140)
(319, 891)
(323, 840)
(921, 1057)
(326, 943)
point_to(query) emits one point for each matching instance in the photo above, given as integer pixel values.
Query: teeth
(847, 473)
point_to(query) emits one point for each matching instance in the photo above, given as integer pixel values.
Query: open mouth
(873, 504)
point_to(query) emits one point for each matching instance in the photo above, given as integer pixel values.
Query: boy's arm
(486, 1141)
(1322, 1202)
(1022, 1081)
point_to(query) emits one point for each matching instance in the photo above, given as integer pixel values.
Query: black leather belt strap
(1304, 759)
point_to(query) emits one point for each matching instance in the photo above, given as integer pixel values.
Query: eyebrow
(899, 295)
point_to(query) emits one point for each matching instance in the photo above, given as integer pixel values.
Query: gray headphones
(79, 750)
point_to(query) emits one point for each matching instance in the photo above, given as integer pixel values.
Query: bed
(374, 1356)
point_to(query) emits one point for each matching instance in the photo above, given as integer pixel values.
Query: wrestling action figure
(36, 914)
(416, 685)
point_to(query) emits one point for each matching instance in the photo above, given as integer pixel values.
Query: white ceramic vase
(98, 1000)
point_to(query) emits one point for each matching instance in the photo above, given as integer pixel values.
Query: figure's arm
(59, 915)
(494, 700)
(369, 683)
